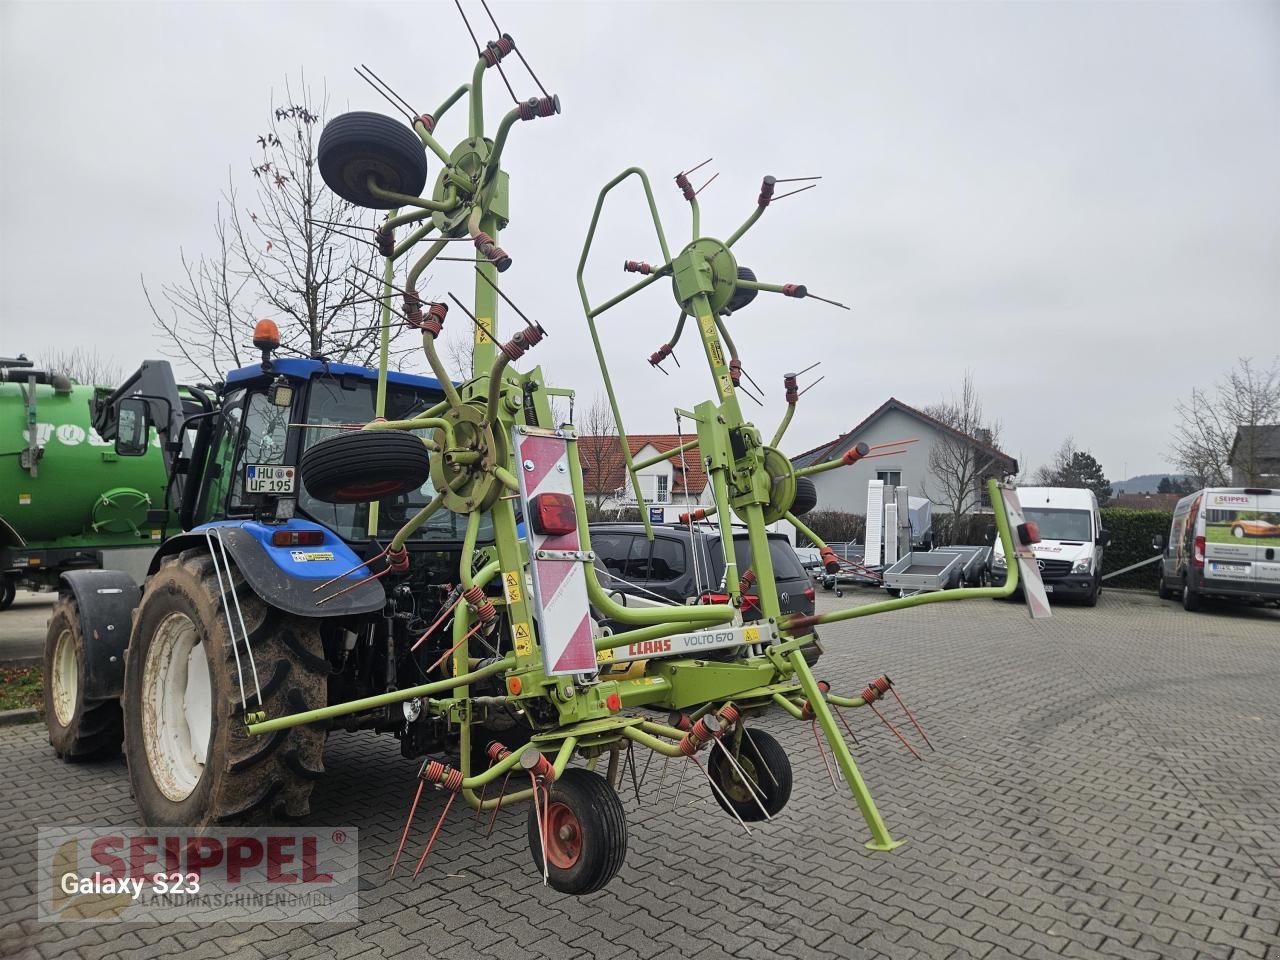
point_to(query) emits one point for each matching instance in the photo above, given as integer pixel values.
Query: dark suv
(666, 570)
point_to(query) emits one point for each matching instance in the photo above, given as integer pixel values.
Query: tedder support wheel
(191, 761)
(79, 729)
(806, 497)
(586, 833)
(765, 762)
(8, 590)
(359, 145)
(359, 466)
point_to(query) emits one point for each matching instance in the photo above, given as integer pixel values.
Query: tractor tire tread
(246, 778)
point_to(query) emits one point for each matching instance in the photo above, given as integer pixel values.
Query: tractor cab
(247, 458)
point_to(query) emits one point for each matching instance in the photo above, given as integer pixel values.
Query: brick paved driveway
(1106, 784)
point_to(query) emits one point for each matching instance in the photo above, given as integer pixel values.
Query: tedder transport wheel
(357, 146)
(773, 781)
(806, 497)
(8, 590)
(359, 466)
(191, 762)
(586, 835)
(742, 296)
(78, 729)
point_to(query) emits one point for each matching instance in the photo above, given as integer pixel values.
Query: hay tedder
(527, 663)
(528, 643)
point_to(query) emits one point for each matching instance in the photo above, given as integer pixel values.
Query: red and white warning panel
(1024, 537)
(556, 558)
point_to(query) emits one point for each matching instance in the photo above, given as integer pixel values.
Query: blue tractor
(266, 600)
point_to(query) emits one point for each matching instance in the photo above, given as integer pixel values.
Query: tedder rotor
(543, 666)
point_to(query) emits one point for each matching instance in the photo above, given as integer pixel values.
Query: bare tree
(1072, 467)
(598, 455)
(960, 459)
(1052, 473)
(294, 252)
(83, 365)
(1209, 419)
(208, 321)
(458, 349)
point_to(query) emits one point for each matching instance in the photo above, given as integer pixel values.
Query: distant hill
(1146, 483)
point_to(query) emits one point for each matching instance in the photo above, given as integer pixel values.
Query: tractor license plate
(262, 478)
(1048, 588)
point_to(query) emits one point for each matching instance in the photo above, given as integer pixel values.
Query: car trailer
(976, 561)
(925, 571)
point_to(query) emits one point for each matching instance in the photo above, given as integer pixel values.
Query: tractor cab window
(264, 433)
(348, 402)
(217, 473)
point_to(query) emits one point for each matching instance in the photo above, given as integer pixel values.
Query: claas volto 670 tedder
(372, 550)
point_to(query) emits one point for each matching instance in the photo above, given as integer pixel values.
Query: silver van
(1224, 542)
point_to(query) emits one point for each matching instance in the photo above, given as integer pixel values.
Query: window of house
(663, 480)
(890, 478)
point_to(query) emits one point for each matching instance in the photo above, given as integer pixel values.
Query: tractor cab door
(249, 458)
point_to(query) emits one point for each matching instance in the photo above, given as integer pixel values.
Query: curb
(13, 717)
(21, 661)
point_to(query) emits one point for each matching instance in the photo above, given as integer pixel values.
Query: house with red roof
(677, 482)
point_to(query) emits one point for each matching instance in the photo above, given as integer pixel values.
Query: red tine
(896, 733)
(911, 716)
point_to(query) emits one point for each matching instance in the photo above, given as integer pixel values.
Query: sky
(1078, 202)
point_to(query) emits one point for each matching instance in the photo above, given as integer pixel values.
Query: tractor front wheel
(762, 761)
(8, 590)
(79, 729)
(192, 762)
(585, 833)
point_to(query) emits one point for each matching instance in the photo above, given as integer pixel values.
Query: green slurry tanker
(67, 500)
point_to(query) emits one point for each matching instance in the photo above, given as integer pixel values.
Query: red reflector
(1028, 533)
(613, 702)
(1197, 558)
(810, 594)
(554, 514)
(297, 538)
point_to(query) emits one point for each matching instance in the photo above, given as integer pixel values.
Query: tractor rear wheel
(586, 835)
(8, 590)
(765, 764)
(192, 763)
(360, 466)
(79, 729)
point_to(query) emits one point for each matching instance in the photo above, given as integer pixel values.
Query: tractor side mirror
(989, 536)
(1157, 543)
(1104, 537)
(133, 427)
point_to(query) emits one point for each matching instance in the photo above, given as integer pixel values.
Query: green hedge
(1131, 533)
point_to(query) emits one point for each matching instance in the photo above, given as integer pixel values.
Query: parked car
(680, 567)
(1222, 543)
(1072, 539)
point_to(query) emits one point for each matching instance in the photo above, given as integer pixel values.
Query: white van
(1223, 543)
(1069, 553)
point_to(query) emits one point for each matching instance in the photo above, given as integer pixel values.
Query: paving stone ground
(1106, 784)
